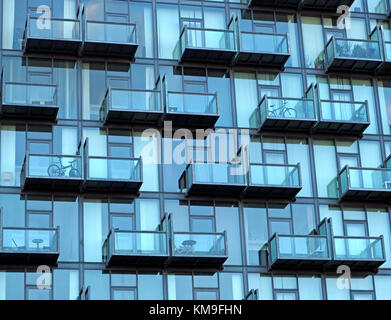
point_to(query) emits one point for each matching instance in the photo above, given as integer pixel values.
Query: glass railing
(387, 50)
(353, 49)
(29, 94)
(359, 248)
(26, 240)
(282, 108)
(199, 244)
(186, 102)
(343, 111)
(135, 243)
(51, 166)
(365, 178)
(264, 42)
(110, 168)
(298, 247)
(59, 29)
(130, 100)
(274, 175)
(214, 173)
(111, 32)
(199, 38)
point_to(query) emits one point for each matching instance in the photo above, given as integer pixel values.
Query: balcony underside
(133, 260)
(326, 4)
(213, 262)
(28, 258)
(356, 265)
(278, 192)
(51, 184)
(288, 124)
(215, 189)
(109, 49)
(353, 65)
(208, 55)
(296, 263)
(112, 186)
(117, 116)
(341, 127)
(270, 60)
(306, 4)
(192, 120)
(385, 68)
(34, 45)
(29, 112)
(367, 194)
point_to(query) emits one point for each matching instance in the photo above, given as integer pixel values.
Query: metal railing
(197, 244)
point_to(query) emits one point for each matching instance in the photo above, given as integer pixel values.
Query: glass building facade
(79, 194)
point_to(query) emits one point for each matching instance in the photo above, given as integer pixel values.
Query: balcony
(112, 175)
(304, 4)
(298, 252)
(342, 117)
(273, 181)
(198, 250)
(63, 36)
(284, 114)
(131, 106)
(29, 246)
(359, 253)
(365, 184)
(205, 45)
(348, 55)
(262, 49)
(212, 179)
(135, 248)
(109, 39)
(29, 101)
(187, 109)
(51, 173)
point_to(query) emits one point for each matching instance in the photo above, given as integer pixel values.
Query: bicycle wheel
(54, 171)
(290, 113)
(74, 173)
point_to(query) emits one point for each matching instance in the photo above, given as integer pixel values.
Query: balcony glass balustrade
(273, 181)
(288, 114)
(110, 174)
(191, 109)
(60, 36)
(198, 249)
(353, 55)
(205, 45)
(298, 251)
(109, 39)
(29, 245)
(342, 117)
(130, 248)
(29, 101)
(365, 183)
(213, 178)
(131, 106)
(51, 172)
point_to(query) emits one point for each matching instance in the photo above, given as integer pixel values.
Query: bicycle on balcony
(282, 112)
(59, 170)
